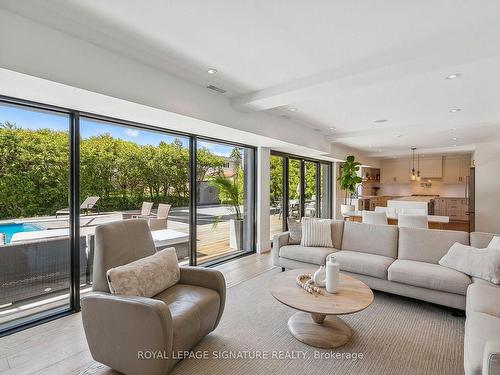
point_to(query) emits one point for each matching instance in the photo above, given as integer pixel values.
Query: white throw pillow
(316, 232)
(481, 263)
(494, 243)
(146, 277)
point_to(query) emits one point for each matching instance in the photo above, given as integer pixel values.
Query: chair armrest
(491, 358)
(120, 328)
(206, 278)
(279, 240)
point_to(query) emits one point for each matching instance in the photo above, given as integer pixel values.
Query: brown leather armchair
(138, 335)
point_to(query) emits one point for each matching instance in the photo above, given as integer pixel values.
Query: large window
(64, 172)
(298, 187)
(276, 197)
(34, 170)
(225, 191)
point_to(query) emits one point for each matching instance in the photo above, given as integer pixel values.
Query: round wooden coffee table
(316, 323)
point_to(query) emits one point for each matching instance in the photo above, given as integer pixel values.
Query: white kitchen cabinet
(394, 171)
(455, 169)
(431, 167)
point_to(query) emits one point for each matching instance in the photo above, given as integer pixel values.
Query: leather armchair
(138, 335)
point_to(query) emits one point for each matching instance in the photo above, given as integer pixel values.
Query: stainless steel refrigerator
(470, 193)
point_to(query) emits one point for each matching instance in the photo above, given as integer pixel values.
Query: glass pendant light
(418, 167)
(413, 177)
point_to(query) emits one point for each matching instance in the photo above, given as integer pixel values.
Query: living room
(249, 187)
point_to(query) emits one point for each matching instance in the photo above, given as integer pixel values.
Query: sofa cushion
(337, 232)
(306, 254)
(428, 245)
(483, 298)
(428, 275)
(294, 231)
(194, 312)
(481, 239)
(479, 329)
(364, 263)
(482, 263)
(371, 238)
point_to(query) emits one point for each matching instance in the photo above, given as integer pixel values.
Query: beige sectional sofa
(404, 261)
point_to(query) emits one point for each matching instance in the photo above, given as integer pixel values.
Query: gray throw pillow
(295, 231)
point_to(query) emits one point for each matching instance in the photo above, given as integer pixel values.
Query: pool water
(10, 229)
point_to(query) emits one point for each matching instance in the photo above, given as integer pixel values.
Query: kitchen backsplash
(437, 188)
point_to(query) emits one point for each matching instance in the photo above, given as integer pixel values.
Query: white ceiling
(341, 64)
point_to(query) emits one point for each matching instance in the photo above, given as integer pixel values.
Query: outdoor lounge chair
(88, 205)
(160, 220)
(145, 211)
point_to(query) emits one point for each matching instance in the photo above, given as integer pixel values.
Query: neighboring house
(208, 194)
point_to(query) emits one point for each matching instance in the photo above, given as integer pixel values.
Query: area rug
(395, 335)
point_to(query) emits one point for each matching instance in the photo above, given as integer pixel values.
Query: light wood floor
(59, 347)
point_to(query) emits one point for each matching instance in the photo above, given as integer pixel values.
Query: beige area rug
(394, 335)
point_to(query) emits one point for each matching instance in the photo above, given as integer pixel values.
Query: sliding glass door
(224, 211)
(303, 185)
(35, 269)
(276, 194)
(64, 172)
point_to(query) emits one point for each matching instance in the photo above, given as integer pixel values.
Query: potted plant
(348, 180)
(231, 193)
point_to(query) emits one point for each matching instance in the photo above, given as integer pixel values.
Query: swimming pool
(10, 229)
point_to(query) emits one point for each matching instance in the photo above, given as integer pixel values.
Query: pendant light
(418, 167)
(413, 177)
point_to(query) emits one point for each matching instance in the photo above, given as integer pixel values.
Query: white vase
(236, 234)
(332, 274)
(344, 208)
(319, 277)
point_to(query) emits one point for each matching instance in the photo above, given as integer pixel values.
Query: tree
(349, 178)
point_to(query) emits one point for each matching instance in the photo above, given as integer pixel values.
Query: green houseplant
(348, 180)
(231, 193)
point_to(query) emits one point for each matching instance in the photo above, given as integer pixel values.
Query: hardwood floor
(59, 347)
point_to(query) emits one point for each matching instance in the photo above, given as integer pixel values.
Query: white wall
(437, 188)
(487, 162)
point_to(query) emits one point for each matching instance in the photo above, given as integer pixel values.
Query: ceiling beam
(423, 56)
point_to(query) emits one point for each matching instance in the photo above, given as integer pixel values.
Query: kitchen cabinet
(431, 167)
(394, 171)
(455, 169)
(455, 208)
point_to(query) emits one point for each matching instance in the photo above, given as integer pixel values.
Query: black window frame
(74, 204)
(286, 157)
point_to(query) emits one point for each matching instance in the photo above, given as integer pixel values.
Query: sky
(33, 119)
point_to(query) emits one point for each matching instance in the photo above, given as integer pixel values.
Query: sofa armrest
(491, 358)
(206, 278)
(279, 240)
(119, 329)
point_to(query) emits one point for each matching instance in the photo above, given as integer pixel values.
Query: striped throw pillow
(316, 232)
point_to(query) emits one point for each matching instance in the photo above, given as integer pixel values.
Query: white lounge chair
(88, 205)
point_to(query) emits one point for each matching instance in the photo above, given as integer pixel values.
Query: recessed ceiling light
(455, 138)
(211, 71)
(453, 76)
(332, 127)
(293, 109)
(381, 121)
(453, 110)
